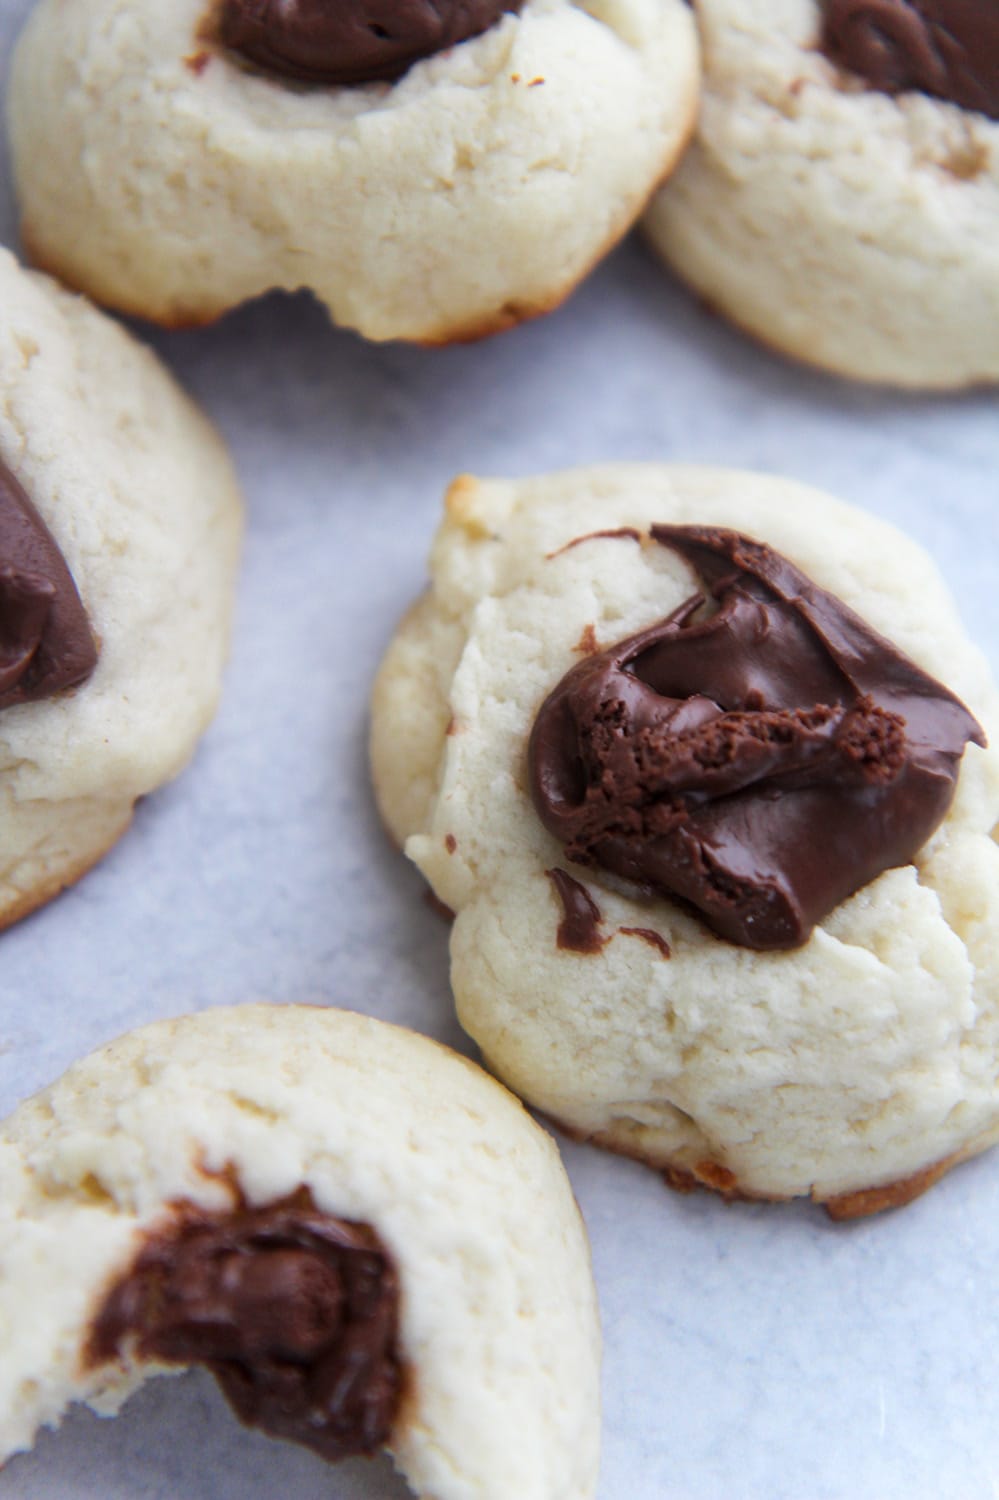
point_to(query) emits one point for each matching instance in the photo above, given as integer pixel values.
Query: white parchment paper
(750, 1351)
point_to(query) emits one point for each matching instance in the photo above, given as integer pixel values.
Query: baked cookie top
(858, 1058)
(841, 223)
(472, 191)
(113, 663)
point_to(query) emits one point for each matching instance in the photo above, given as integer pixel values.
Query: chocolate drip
(648, 935)
(761, 763)
(619, 533)
(293, 1311)
(45, 639)
(947, 48)
(579, 929)
(350, 41)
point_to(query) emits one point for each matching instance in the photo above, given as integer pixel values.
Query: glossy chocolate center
(45, 639)
(948, 48)
(294, 1312)
(350, 41)
(760, 756)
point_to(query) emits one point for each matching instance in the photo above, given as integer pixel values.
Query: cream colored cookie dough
(850, 1064)
(162, 177)
(845, 227)
(139, 494)
(498, 1322)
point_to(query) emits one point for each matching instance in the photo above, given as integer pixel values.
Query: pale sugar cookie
(697, 759)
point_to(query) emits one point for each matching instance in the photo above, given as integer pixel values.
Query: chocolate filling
(948, 48)
(761, 761)
(350, 41)
(45, 639)
(293, 1311)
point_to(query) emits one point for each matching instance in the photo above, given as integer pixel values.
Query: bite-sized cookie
(675, 745)
(841, 197)
(364, 1238)
(119, 534)
(430, 172)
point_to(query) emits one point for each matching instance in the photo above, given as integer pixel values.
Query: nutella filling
(761, 754)
(293, 1311)
(45, 639)
(948, 48)
(350, 41)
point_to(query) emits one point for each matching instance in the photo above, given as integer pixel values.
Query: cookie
(840, 199)
(726, 891)
(173, 161)
(364, 1238)
(119, 533)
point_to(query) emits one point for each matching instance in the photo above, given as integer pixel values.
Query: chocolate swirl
(45, 639)
(761, 762)
(948, 48)
(294, 1312)
(350, 41)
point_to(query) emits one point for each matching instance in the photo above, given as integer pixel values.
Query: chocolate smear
(579, 929)
(650, 936)
(619, 533)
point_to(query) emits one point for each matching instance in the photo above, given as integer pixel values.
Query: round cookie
(306, 1146)
(119, 534)
(852, 1067)
(169, 176)
(849, 227)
